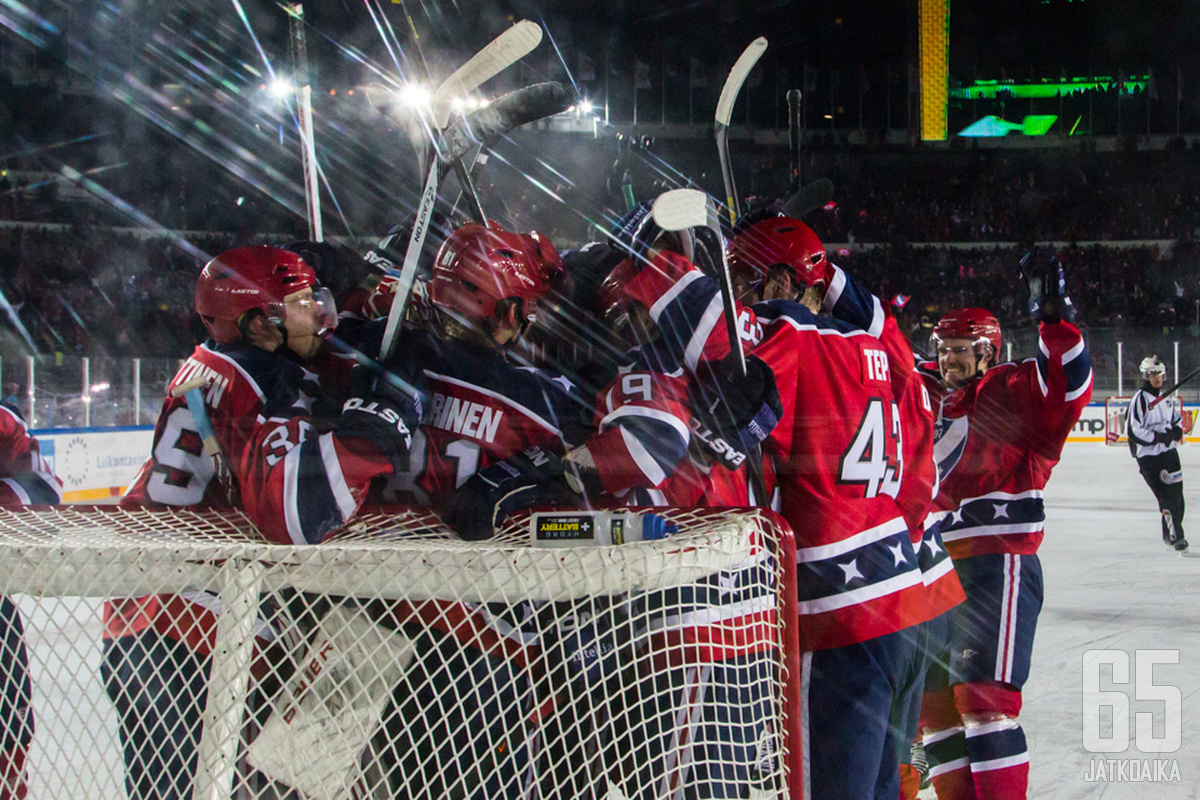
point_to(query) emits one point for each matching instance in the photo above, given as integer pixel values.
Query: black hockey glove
(635, 232)
(1046, 286)
(1168, 436)
(384, 409)
(732, 415)
(476, 509)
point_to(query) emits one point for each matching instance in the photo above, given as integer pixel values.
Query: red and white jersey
(297, 486)
(998, 438)
(482, 408)
(836, 451)
(25, 476)
(848, 301)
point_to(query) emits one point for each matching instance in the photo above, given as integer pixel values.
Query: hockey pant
(1164, 475)
(858, 714)
(980, 676)
(16, 710)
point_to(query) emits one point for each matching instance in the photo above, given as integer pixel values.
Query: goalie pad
(314, 739)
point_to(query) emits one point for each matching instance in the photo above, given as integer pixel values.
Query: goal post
(395, 660)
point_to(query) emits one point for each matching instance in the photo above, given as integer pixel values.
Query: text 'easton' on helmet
(976, 324)
(780, 240)
(477, 267)
(1152, 365)
(246, 278)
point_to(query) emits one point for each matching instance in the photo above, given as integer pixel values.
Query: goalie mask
(1151, 365)
(255, 278)
(779, 241)
(477, 267)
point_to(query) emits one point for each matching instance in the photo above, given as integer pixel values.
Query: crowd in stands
(942, 229)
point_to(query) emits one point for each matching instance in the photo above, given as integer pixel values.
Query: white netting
(396, 661)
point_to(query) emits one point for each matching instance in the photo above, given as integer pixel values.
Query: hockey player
(267, 317)
(839, 470)
(25, 479)
(1154, 434)
(1000, 431)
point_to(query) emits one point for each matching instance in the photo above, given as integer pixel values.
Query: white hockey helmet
(1151, 365)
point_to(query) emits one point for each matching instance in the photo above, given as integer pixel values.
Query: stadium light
(280, 88)
(414, 95)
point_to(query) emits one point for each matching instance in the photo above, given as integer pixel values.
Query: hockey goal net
(397, 661)
(1116, 410)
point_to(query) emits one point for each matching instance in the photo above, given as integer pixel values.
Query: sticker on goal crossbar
(315, 737)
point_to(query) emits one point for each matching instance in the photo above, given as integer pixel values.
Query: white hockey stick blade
(737, 76)
(680, 209)
(517, 108)
(506, 49)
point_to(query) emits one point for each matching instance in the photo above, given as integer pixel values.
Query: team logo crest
(949, 441)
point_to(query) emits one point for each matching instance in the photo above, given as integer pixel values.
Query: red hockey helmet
(780, 240)
(976, 324)
(478, 267)
(246, 278)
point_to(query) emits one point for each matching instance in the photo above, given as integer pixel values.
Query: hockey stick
(729, 94)
(810, 198)
(682, 209)
(510, 111)
(1166, 392)
(190, 391)
(501, 52)
(793, 103)
(308, 147)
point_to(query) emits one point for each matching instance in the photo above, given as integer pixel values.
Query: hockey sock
(948, 765)
(999, 760)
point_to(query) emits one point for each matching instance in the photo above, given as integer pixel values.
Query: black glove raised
(384, 409)
(732, 415)
(534, 477)
(1046, 285)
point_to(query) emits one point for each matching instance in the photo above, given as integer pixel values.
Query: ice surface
(1111, 583)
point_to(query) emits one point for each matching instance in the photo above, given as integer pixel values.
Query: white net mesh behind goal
(175, 654)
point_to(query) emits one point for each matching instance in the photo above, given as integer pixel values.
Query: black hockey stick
(794, 98)
(810, 198)
(1166, 392)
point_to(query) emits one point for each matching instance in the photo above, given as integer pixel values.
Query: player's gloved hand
(1046, 285)
(534, 477)
(383, 410)
(1177, 433)
(636, 231)
(321, 256)
(732, 415)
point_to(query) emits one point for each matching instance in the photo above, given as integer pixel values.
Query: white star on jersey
(898, 554)
(851, 570)
(956, 516)
(1000, 510)
(932, 544)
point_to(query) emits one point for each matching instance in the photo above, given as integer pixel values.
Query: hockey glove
(732, 415)
(383, 410)
(476, 509)
(1046, 285)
